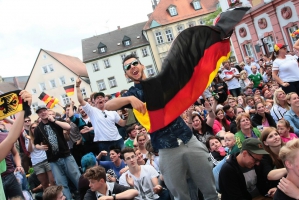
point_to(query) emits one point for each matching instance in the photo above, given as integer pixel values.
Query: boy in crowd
(53, 193)
(230, 143)
(131, 132)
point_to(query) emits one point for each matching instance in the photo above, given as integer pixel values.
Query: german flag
(69, 90)
(190, 66)
(11, 103)
(52, 103)
(44, 97)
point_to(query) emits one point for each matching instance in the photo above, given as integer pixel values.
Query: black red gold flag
(44, 97)
(52, 103)
(69, 90)
(190, 66)
(11, 103)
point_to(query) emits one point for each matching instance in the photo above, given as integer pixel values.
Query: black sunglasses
(104, 114)
(128, 66)
(27, 121)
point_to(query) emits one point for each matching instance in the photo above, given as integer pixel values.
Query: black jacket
(232, 183)
(257, 120)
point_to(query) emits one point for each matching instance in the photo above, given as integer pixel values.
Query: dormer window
(196, 4)
(172, 10)
(102, 48)
(126, 41)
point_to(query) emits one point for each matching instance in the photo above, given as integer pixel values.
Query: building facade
(169, 18)
(50, 73)
(103, 56)
(267, 23)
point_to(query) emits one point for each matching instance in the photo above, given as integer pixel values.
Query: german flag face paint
(69, 90)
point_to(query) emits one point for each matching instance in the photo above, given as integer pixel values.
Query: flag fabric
(44, 97)
(11, 103)
(190, 66)
(52, 103)
(69, 90)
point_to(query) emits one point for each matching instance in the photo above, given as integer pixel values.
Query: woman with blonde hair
(292, 114)
(280, 106)
(241, 101)
(244, 81)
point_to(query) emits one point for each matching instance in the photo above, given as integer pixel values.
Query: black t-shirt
(52, 135)
(279, 195)
(203, 137)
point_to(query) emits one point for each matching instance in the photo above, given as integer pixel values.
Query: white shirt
(288, 70)
(104, 127)
(37, 155)
(233, 83)
(247, 67)
(110, 187)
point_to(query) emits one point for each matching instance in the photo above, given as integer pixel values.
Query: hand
(20, 169)
(285, 84)
(85, 130)
(288, 188)
(26, 96)
(78, 142)
(130, 180)
(51, 118)
(44, 147)
(111, 178)
(157, 189)
(271, 192)
(208, 106)
(126, 116)
(78, 82)
(103, 153)
(123, 170)
(137, 104)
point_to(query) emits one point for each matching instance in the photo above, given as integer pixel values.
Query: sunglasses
(104, 114)
(27, 121)
(255, 160)
(128, 66)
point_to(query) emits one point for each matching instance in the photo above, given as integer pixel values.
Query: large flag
(190, 66)
(44, 97)
(11, 103)
(69, 90)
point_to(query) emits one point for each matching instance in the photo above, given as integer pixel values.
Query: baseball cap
(278, 46)
(98, 94)
(253, 145)
(40, 108)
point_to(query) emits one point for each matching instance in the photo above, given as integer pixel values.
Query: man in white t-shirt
(230, 76)
(142, 177)
(103, 121)
(249, 64)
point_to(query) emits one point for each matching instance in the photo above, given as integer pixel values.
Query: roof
(184, 8)
(9, 83)
(7, 87)
(111, 40)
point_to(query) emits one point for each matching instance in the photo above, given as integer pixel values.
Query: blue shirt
(293, 119)
(168, 136)
(111, 168)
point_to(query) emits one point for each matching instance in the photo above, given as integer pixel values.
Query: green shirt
(256, 79)
(2, 169)
(129, 143)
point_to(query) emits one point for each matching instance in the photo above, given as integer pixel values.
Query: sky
(26, 26)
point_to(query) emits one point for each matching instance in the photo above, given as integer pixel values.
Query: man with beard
(103, 121)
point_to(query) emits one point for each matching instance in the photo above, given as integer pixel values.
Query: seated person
(100, 189)
(53, 193)
(230, 143)
(114, 166)
(217, 152)
(285, 131)
(131, 132)
(239, 177)
(35, 186)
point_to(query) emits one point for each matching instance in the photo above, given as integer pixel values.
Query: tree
(210, 17)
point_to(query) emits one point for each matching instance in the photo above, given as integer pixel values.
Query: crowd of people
(239, 140)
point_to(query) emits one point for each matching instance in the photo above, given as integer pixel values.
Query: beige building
(169, 18)
(50, 73)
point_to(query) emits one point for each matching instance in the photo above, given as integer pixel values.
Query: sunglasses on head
(128, 66)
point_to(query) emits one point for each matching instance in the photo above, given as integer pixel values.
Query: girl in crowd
(221, 123)
(217, 152)
(141, 140)
(244, 81)
(293, 113)
(284, 128)
(232, 102)
(245, 129)
(241, 101)
(280, 106)
(258, 99)
(39, 160)
(140, 159)
(261, 117)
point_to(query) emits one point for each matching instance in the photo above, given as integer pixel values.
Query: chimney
(154, 4)
(16, 82)
(118, 27)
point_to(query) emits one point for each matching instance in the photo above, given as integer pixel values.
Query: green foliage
(209, 18)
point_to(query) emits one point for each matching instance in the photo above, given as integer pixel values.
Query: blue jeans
(235, 92)
(65, 168)
(105, 145)
(216, 171)
(11, 186)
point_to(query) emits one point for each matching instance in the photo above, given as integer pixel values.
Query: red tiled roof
(184, 8)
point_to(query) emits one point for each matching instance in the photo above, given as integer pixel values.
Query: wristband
(114, 198)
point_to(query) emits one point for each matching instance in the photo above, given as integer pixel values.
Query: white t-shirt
(247, 67)
(233, 83)
(288, 70)
(144, 183)
(37, 155)
(104, 127)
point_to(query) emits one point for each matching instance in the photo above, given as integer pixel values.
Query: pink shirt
(266, 123)
(292, 136)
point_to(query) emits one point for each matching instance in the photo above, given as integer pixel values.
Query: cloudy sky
(26, 26)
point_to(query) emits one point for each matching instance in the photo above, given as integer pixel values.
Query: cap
(98, 94)
(278, 46)
(40, 107)
(253, 145)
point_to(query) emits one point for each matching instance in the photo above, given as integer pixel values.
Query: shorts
(42, 167)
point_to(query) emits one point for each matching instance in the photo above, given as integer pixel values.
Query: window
(62, 80)
(150, 71)
(52, 83)
(123, 56)
(291, 30)
(83, 91)
(127, 43)
(33, 91)
(196, 5)
(144, 52)
(72, 79)
(106, 63)
(42, 86)
(191, 24)
(51, 69)
(159, 38)
(45, 69)
(112, 82)
(95, 67)
(44, 56)
(270, 43)
(134, 52)
(169, 35)
(180, 28)
(249, 50)
(103, 50)
(65, 99)
(34, 107)
(101, 85)
(172, 11)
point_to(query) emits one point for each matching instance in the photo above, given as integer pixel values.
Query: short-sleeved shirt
(103, 122)
(288, 70)
(279, 195)
(256, 79)
(111, 168)
(233, 83)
